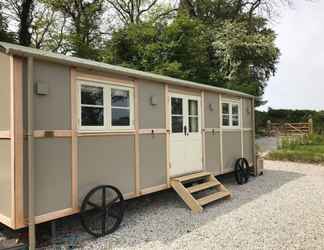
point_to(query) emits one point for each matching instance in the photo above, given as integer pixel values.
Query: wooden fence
(301, 128)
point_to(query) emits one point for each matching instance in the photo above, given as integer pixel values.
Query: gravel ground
(283, 209)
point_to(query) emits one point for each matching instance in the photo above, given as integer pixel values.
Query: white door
(186, 137)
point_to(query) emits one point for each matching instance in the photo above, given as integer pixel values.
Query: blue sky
(299, 82)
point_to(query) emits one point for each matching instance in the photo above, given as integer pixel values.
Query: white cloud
(299, 81)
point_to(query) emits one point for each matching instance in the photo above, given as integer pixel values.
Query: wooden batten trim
(247, 129)
(130, 195)
(55, 215)
(167, 137)
(152, 131)
(74, 140)
(241, 124)
(203, 142)
(253, 134)
(52, 133)
(91, 134)
(137, 138)
(209, 130)
(18, 137)
(12, 141)
(5, 134)
(221, 134)
(6, 221)
(103, 79)
(154, 189)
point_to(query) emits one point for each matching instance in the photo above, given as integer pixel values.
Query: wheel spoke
(112, 202)
(94, 205)
(103, 222)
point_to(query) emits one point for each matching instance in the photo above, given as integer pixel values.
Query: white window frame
(230, 114)
(107, 127)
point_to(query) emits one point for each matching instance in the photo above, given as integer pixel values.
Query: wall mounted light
(41, 88)
(211, 107)
(153, 100)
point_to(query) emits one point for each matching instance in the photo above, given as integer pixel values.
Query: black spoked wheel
(242, 172)
(102, 210)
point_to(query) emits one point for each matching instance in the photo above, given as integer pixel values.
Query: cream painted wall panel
(5, 178)
(248, 146)
(151, 116)
(247, 113)
(152, 160)
(232, 149)
(52, 174)
(4, 92)
(211, 110)
(52, 111)
(106, 160)
(213, 159)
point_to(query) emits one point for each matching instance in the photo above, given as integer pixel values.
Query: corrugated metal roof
(89, 64)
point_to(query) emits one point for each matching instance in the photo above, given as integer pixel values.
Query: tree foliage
(225, 43)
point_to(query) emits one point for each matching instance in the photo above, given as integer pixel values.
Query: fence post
(310, 125)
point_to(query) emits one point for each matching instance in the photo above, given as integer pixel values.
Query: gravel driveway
(283, 209)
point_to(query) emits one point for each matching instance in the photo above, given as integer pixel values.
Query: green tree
(5, 35)
(84, 35)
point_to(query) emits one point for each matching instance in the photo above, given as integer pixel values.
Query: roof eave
(124, 71)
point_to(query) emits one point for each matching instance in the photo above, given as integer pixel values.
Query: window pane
(193, 124)
(120, 117)
(235, 120)
(176, 106)
(225, 120)
(91, 95)
(177, 124)
(193, 107)
(225, 108)
(235, 109)
(92, 116)
(119, 98)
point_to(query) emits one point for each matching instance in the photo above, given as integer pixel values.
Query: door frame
(187, 96)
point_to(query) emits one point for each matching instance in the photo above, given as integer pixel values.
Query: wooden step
(203, 186)
(192, 176)
(213, 197)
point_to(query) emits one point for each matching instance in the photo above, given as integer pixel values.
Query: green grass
(308, 149)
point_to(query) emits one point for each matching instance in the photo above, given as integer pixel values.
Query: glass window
(120, 108)
(92, 106)
(230, 114)
(193, 116)
(176, 115)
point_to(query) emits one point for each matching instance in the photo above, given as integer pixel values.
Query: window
(105, 107)
(193, 116)
(230, 114)
(177, 115)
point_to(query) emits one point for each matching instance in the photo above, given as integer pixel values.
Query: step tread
(213, 197)
(203, 186)
(192, 176)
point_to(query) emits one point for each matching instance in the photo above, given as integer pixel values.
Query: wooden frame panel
(154, 189)
(221, 134)
(203, 134)
(152, 131)
(74, 142)
(137, 138)
(168, 130)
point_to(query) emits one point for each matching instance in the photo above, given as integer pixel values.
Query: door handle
(186, 133)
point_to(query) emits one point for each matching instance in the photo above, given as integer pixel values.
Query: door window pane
(91, 116)
(119, 98)
(177, 124)
(193, 107)
(176, 106)
(120, 117)
(91, 95)
(193, 124)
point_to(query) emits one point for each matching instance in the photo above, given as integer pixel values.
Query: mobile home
(68, 125)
